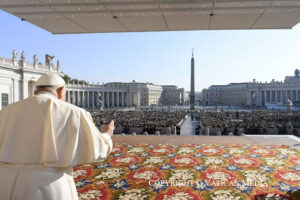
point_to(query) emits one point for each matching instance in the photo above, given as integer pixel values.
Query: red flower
(262, 151)
(290, 177)
(295, 161)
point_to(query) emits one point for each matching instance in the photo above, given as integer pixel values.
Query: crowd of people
(150, 121)
(236, 122)
(252, 122)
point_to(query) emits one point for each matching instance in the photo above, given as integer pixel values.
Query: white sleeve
(102, 142)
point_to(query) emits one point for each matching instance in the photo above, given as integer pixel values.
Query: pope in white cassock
(42, 138)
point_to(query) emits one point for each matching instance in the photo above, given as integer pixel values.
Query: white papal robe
(41, 139)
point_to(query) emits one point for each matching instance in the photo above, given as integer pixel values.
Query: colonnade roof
(96, 16)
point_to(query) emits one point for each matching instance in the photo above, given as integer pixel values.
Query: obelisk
(192, 92)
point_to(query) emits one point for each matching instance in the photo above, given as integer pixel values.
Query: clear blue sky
(160, 57)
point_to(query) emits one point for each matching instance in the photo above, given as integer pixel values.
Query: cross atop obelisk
(192, 92)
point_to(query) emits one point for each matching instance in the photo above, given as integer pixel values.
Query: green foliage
(68, 79)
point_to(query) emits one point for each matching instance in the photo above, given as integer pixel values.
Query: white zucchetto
(50, 79)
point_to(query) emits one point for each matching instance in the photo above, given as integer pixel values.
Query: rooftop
(83, 16)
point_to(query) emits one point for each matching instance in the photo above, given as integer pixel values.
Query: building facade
(254, 93)
(172, 95)
(18, 77)
(18, 81)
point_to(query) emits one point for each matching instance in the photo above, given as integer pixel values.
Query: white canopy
(89, 16)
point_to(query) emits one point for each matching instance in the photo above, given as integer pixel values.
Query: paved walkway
(188, 127)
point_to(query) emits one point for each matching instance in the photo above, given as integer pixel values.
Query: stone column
(265, 97)
(102, 99)
(118, 99)
(88, 99)
(271, 96)
(16, 90)
(25, 89)
(74, 97)
(113, 99)
(138, 98)
(78, 98)
(192, 91)
(257, 98)
(127, 99)
(93, 99)
(107, 99)
(97, 99)
(281, 96)
(130, 99)
(69, 98)
(123, 99)
(248, 98)
(83, 99)
(82, 93)
(276, 96)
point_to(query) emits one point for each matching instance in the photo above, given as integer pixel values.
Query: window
(4, 98)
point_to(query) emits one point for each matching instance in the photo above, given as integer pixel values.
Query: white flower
(261, 151)
(213, 160)
(178, 196)
(90, 195)
(274, 161)
(235, 151)
(201, 185)
(134, 194)
(243, 161)
(255, 176)
(183, 160)
(181, 175)
(145, 175)
(115, 149)
(287, 151)
(136, 150)
(78, 173)
(186, 150)
(225, 195)
(110, 173)
(218, 176)
(212, 150)
(160, 150)
(290, 176)
(154, 160)
(125, 160)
